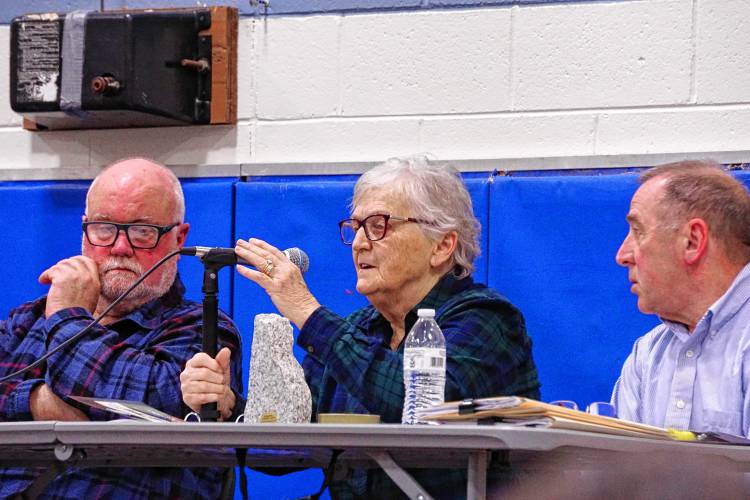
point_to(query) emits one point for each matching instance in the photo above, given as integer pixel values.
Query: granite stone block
(277, 391)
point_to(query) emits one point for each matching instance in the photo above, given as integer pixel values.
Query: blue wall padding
(297, 213)
(304, 212)
(301, 213)
(548, 244)
(43, 225)
(479, 190)
(209, 208)
(553, 241)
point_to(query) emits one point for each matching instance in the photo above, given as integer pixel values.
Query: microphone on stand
(213, 259)
(227, 257)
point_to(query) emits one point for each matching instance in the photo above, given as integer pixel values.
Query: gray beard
(114, 284)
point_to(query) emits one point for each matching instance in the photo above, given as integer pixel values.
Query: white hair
(436, 193)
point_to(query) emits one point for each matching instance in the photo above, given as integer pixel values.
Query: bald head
(142, 193)
(145, 176)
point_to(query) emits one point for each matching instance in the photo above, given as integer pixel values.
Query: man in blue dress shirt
(687, 255)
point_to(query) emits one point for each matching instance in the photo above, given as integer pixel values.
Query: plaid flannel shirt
(137, 358)
(351, 368)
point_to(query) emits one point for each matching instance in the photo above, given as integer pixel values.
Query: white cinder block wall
(525, 86)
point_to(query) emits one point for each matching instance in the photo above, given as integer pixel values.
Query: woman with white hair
(414, 240)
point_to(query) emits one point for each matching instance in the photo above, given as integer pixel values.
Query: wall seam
(511, 55)
(233, 233)
(488, 192)
(339, 66)
(253, 125)
(595, 135)
(693, 97)
(525, 113)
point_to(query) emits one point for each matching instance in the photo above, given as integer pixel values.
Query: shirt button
(310, 349)
(689, 354)
(680, 404)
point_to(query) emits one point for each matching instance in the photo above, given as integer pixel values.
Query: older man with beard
(134, 217)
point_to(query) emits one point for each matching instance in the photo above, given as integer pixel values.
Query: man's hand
(45, 405)
(75, 283)
(206, 380)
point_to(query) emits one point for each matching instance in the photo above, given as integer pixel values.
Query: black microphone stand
(212, 262)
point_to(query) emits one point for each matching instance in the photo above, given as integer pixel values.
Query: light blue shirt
(698, 381)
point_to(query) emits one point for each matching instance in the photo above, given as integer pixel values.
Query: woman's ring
(267, 268)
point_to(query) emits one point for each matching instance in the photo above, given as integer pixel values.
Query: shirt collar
(730, 303)
(448, 286)
(722, 310)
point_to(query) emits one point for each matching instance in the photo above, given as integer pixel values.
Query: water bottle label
(425, 359)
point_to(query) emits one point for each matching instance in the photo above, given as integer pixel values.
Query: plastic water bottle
(424, 366)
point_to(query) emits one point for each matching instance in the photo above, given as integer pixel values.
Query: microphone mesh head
(299, 258)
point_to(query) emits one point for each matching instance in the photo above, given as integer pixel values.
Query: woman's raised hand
(280, 278)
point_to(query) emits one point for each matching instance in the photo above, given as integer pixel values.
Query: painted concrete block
(509, 136)
(39, 150)
(196, 145)
(7, 116)
(426, 63)
(674, 131)
(335, 140)
(297, 66)
(722, 62)
(246, 69)
(602, 55)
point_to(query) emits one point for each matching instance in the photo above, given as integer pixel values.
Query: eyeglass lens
(105, 234)
(375, 227)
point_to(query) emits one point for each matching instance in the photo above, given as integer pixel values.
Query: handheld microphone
(226, 256)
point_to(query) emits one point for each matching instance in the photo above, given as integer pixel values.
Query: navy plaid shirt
(351, 368)
(138, 358)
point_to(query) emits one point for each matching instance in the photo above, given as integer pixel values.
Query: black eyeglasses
(375, 226)
(144, 236)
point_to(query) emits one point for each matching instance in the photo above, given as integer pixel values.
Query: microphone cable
(95, 322)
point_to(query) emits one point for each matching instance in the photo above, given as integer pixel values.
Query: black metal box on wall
(124, 68)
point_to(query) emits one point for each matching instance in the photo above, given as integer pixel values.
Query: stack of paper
(528, 412)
